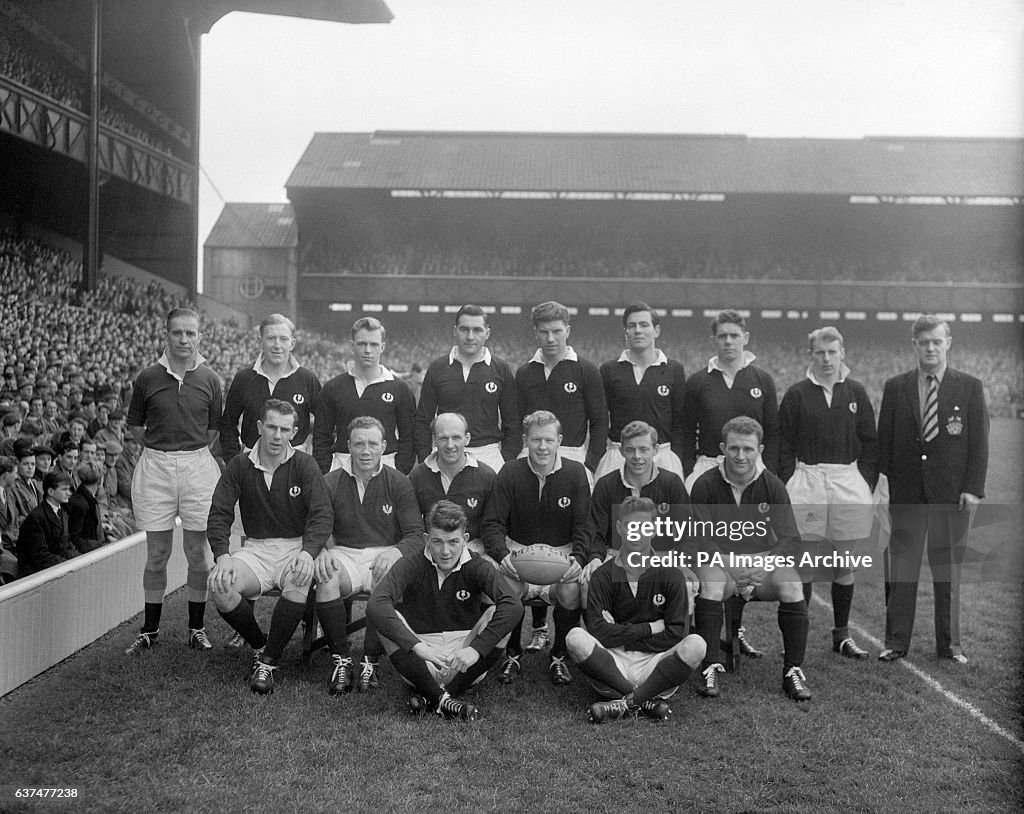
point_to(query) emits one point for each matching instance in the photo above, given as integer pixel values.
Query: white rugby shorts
(174, 484)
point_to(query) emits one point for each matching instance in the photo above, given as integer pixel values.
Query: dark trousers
(944, 529)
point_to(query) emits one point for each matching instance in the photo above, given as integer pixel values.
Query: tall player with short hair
(470, 381)
(276, 374)
(829, 463)
(365, 388)
(558, 380)
(643, 384)
(175, 414)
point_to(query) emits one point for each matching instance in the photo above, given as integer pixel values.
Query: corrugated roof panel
(670, 163)
(254, 225)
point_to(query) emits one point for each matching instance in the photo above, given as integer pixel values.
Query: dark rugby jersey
(178, 414)
(389, 401)
(710, 404)
(471, 489)
(411, 588)
(246, 396)
(575, 394)
(521, 510)
(661, 594)
(657, 400)
(295, 505)
(387, 515)
(815, 433)
(487, 400)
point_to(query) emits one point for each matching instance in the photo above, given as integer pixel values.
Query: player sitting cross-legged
(430, 616)
(637, 651)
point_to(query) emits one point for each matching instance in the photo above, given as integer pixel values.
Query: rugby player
(828, 460)
(430, 613)
(175, 413)
(540, 499)
(376, 520)
(636, 649)
(643, 385)
(475, 384)
(365, 388)
(742, 490)
(286, 515)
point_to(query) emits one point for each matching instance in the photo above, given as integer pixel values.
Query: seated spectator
(77, 430)
(26, 491)
(86, 528)
(113, 430)
(10, 427)
(125, 468)
(67, 461)
(8, 527)
(44, 462)
(43, 539)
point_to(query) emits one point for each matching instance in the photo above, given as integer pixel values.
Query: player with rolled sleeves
(731, 385)
(365, 388)
(558, 380)
(636, 649)
(452, 473)
(644, 385)
(933, 439)
(276, 374)
(475, 384)
(175, 413)
(828, 460)
(540, 499)
(286, 514)
(639, 476)
(742, 493)
(431, 617)
(376, 520)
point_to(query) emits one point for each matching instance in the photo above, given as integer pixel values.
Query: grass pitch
(174, 730)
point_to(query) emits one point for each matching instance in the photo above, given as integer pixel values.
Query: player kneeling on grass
(286, 514)
(750, 537)
(429, 614)
(637, 651)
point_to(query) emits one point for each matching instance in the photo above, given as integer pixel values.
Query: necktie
(930, 425)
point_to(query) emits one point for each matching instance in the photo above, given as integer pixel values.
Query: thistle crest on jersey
(295, 491)
(662, 508)
(658, 600)
(755, 392)
(662, 389)
(853, 407)
(763, 508)
(298, 398)
(472, 502)
(387, 397)
(462, 595)
(491, 387)
(387, 509)
(564, 502)
(570, 387)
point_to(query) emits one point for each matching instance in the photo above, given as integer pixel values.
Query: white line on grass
(953, 698)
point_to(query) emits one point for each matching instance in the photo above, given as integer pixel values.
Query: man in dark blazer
(43, 540)
(933, 435)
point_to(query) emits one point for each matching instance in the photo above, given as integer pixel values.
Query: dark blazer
(955, 461)
(85, 529)
(43, 540)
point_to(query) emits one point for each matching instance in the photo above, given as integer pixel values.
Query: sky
(775, 68)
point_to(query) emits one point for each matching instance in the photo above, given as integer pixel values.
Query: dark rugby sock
(842, 601)
(668, 673)
(794, 624)
(372, 648)
(332, 619)
(540, 616)
(196, 614)
(463, 681)
(708, 618)
(808, 593)
(565, 620)
(599, 666)
(151, 619)
(286, 618)
(414, 669)
(241, 618)
(515, 640)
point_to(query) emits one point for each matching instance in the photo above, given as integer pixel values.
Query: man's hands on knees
(302, 567)
(325, 566)
(432, 654)
(573, 573)
(222, 575)
(383, 562)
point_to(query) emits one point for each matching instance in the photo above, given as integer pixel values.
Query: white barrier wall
(46, 617)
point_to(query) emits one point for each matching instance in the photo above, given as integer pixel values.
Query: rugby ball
(540, 564)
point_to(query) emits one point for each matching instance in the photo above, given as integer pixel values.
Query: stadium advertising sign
(938, 200)
(535, 195)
